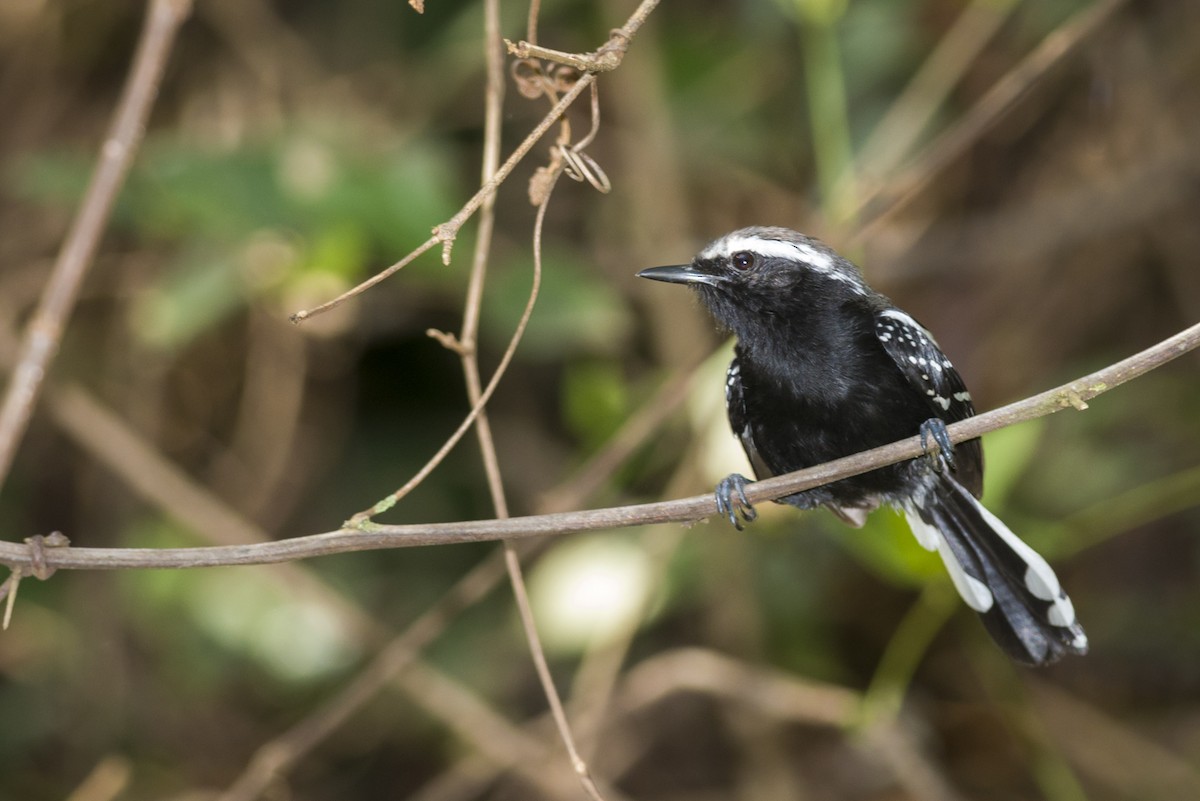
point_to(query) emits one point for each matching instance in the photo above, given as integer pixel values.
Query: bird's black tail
(1012, 588)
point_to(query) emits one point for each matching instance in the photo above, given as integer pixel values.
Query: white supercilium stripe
(777, 248)
(727, 246)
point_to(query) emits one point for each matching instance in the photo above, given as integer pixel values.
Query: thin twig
(890, 742)
(906, 118)
(531, 24)
(493, 111)
(280, 754)
(447, 232)
(468, 355)
(771, 691)
(940, 153)
(304, 314)
(361, 520)
(586, 479)
(1112, 753)
(506, 745)
(781, 697)
(45, 329)
(1074, 394)
(605, 59)
(9, 592)
(522, 597)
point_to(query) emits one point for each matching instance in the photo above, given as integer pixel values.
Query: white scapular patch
(924, 354)
(973, 591)
(910, 327)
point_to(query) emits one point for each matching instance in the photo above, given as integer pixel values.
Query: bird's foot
(935, 440)
(732, 501)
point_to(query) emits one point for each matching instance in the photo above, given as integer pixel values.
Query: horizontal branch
(45, 555)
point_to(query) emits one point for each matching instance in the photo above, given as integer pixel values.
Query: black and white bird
(826, 367)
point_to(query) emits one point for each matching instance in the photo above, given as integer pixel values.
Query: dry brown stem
(45, 329)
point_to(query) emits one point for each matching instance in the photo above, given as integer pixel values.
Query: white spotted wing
(930, 373)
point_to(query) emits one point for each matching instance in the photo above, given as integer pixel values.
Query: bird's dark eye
(742, 260)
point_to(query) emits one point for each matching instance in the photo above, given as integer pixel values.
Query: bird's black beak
(679, 274)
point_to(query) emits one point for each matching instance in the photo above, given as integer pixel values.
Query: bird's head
(764, 273)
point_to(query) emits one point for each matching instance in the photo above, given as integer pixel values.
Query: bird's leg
(942, 449)
(732, 501)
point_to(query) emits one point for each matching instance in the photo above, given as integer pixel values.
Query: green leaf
(576, 310)
(1008, 454)
(595, 400)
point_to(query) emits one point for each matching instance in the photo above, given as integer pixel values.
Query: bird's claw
(732, 501)
(942, 450)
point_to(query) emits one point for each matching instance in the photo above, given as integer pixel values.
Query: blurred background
(1023, 177)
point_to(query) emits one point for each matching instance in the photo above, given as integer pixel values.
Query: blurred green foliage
(260, 218)
(299, 148)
